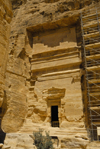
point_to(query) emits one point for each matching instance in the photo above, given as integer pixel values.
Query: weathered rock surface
(44, 70)
(5, 19)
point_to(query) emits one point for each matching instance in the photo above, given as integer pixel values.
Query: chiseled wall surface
(58, 69)
(5, 19)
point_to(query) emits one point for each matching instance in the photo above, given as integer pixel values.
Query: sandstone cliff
(5, 19)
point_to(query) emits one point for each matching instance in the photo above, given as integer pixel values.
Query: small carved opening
(54, 116)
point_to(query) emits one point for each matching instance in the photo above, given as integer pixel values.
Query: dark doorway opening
(2, 134)
(54, 116)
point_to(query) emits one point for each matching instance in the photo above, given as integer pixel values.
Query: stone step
(31, 88)
(68, 53)
(93, 68)
(93, 57)
(90, 12)
(95, 94)
(90, 15)
(96, 123)
(95, 108)
(92, 35)
(92, 24)
(91, 46)
(94, 81)
(53, 131)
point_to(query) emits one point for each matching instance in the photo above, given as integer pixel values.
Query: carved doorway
(54, 116)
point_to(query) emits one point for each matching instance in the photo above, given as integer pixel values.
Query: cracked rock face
(5, 19)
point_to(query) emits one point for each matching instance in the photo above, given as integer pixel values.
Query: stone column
(59, 114)
(49, 114)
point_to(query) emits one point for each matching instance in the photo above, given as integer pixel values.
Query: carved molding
(53, 93)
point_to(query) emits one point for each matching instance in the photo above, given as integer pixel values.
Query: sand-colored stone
(5, 19)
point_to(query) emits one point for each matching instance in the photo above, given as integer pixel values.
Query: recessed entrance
(54, 116)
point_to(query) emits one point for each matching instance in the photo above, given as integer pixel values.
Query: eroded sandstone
(5, 19)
